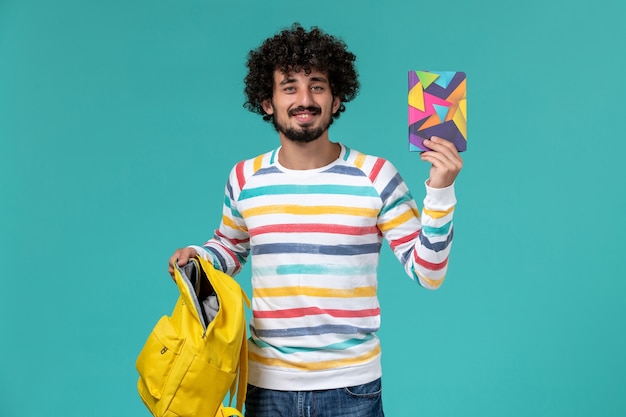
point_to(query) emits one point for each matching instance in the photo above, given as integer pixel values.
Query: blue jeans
(358, 401)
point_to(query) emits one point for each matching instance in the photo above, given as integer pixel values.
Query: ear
(336, 104)
(267, 106)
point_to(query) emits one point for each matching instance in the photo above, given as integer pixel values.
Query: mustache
(312, 109)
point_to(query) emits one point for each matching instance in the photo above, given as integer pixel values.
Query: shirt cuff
(203, 253)
(439, 198)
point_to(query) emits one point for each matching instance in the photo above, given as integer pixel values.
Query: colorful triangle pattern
(437, 107)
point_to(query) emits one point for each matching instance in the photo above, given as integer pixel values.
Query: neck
(312, 155)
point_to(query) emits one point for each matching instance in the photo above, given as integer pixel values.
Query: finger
(443, 159)
(170, 266)
(440, 160)
(441, 141)
(175, 260)
(183, 257)
(444, 146)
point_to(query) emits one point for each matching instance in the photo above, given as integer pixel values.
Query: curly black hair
(295, 49)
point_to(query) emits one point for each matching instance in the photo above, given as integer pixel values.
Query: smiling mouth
(304, 115)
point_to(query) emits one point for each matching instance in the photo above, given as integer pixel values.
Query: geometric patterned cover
(437, 107)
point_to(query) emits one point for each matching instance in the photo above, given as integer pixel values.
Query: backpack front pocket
(204, 386)
(158, 356)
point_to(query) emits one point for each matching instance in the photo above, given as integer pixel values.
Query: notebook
(437, 107)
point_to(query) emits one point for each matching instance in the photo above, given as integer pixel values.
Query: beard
(304, 134)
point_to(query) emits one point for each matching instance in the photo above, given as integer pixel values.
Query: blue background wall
(119, 121)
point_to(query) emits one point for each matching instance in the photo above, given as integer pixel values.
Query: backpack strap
(243, 362)
(243, 373)
(240, 384)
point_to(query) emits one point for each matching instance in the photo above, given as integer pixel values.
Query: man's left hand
(445, 159)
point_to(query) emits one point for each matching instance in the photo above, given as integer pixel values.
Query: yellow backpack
(193, 358)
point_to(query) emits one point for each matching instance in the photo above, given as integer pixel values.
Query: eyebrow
(288, 80)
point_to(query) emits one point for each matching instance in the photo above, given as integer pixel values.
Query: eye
(318, 88)
(289, 89)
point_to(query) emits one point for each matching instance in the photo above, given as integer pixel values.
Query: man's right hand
(182, 255)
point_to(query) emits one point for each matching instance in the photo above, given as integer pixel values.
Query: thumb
(183, 259)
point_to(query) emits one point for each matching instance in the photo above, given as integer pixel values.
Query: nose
(305, 97)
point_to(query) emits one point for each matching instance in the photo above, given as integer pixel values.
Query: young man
(313, 214)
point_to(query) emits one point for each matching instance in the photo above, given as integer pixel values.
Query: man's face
(302, 105)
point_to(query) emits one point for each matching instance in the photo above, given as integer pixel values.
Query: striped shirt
(314, 240)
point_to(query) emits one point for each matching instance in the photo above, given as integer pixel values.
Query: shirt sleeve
(421, 242)
(229, 247)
